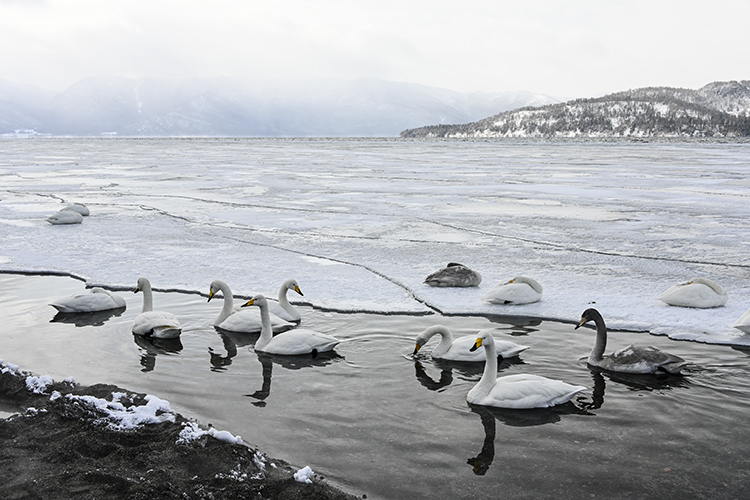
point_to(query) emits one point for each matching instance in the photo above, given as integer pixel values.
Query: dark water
(378, 423)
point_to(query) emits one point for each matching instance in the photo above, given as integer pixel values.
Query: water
(377, 422)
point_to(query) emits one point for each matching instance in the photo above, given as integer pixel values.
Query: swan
(235, 319)
(78, 207)
(150, 323)
(744, 322)
(96, 299)
(283, 309)
(454, 274)
(292, 342)
(630, 359)
(698, 292)
(521, 391)
(458, 350)
(519, 290)
(65, 216)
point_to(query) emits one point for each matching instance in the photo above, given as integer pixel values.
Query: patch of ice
(304, 475)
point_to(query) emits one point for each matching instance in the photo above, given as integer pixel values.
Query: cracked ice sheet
(361, 223)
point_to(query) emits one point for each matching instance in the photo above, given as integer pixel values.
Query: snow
(38, 385)
(360, 223)
(304, 475)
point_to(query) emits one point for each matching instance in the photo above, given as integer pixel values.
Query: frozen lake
(360, 224)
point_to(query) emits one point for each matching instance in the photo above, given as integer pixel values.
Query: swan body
(96, 299)
(150, 323)
(519, 290)
(65, 216)
(630, 359)
(523, 391)
(454, 274)
(698, 292)
(283, 309)
(743, 323)
(292, 342)
(458, 349)
(236, 319)
(78, 207)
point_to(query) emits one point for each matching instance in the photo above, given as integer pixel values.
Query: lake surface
(378, 422)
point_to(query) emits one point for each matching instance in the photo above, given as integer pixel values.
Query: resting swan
(519, 290)
(235, 319)
(521, 391)
(65, 216)
(292, 342)
(283, 309)
(78, 207)
(743, 323)
(454, 275)
(96, 299)
(630, 359)
(458, 349)
(698, 292)
(150, 323)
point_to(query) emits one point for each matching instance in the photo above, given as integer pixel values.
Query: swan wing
(247, 320)
(159, 324)
(743, 323)
(459, 276)
(512, 293)
(642, 359)
(300, 341)
(94, 300)
(693, 295)
(528, 391)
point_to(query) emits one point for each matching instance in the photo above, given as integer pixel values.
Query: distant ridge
(228, 107)
(719, 109)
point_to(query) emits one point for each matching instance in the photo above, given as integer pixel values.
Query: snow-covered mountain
(719, 109)
(227, 107)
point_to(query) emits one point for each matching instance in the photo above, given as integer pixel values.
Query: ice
(360, 223)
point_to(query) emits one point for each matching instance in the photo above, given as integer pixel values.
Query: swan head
(481, 340)
(259, 300)
(142, 285)
(215, 287)
(293, 285)
(590, 314)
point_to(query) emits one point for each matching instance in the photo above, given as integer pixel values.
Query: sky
(565, 49)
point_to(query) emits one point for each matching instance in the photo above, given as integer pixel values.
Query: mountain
(719, 109)
(228, 107)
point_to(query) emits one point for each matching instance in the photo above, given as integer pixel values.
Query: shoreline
(73, 441)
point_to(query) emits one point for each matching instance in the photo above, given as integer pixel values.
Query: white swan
(458, 349)
(65, 216)
(283, 309)
(743, 323)
(630, 359)
(698, 292)
(292, 342)
(235, 319)
(150, 323)
(519, 290)
(78, 207)
(521, 391)
(95, 299)
(454, 275)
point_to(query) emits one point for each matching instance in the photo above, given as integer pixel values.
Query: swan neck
(283, 301)
(489, 376)
(446, 341)
(148, 299)
(601, 340)
(228, 307)
(266, 332)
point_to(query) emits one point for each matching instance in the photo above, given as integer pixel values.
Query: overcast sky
(564, 48)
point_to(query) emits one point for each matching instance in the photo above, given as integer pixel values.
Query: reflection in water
(466, 370)
(636, 382)
(231, 341)
(446, 377)
(152, 347)
(96, 318)
(291, 363)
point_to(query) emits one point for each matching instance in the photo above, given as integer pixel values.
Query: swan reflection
(80, 319)
(231, 341)
(151, 347)
(447, 368)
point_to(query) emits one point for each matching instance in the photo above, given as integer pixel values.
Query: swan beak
(248, 303)
(476, 345)
(296, 289)
(416, 349)
(580, 323)
(210, 295)
(136, 290)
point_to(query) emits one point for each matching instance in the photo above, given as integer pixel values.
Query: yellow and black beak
(296, 289)
(581, 323)
(416, 348)
(210, 295)
(249, 303)
(476, 345)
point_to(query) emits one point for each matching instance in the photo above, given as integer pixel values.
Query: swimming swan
(235, 319)
(96, 299)
(521, 391)
(283, 309)
(698, 292)
(454, 275)
(458, 349)
(150, 323)
(630, 359)
(519, 290)
(292, 342)
(744, 322)
(65, 216)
